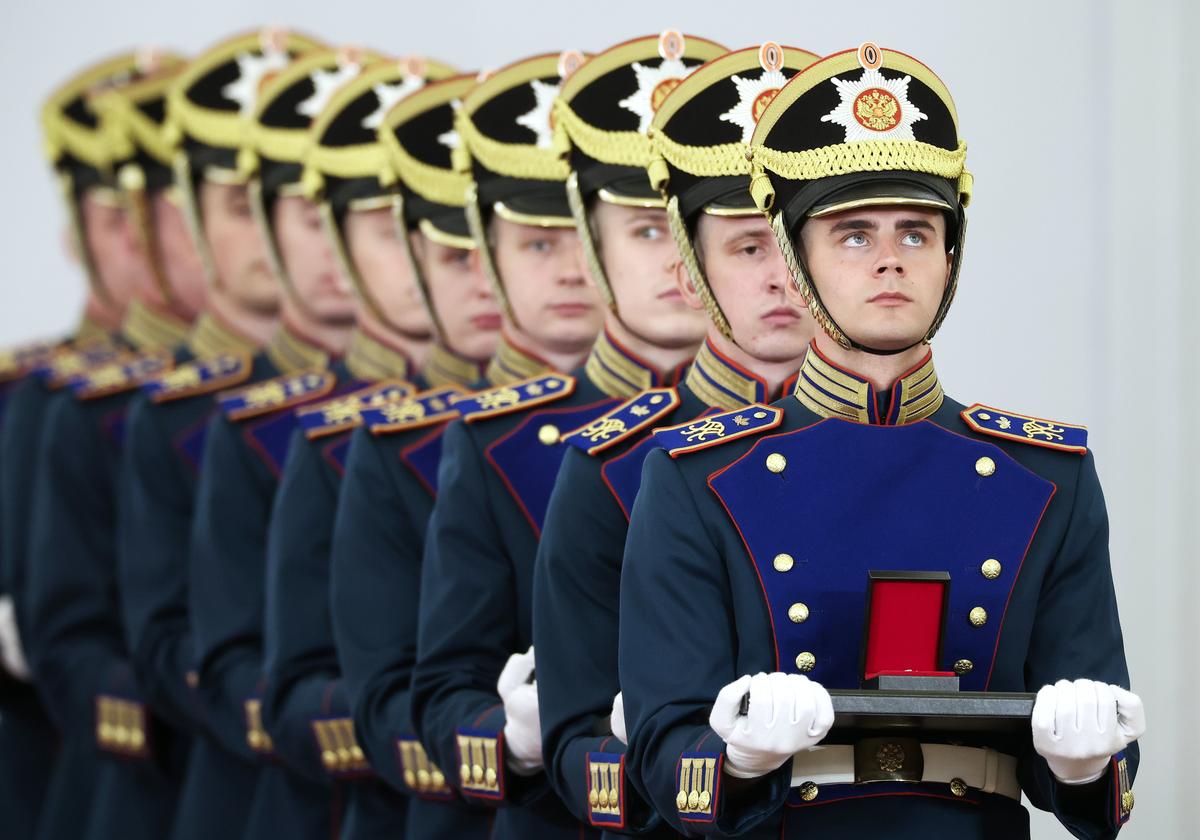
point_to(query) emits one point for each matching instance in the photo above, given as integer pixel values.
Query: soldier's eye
(913, 238)
(650, 233)
(856, 240)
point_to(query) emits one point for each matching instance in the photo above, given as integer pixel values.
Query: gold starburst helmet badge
(602, 117)
(208, 109)
(699, 145)
(860, 128)
(507, 148)
(347, 165)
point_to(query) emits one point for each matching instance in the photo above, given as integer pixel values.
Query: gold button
(958, 787)
(477, 773)
(681, 801)
(991, 569)
(548, 434)
(705, 800)
(978, 617)
(438, 779)
(656, 399)
(254, 738)
(982, 416)
(423, 778)
(137, 739)
(593, 798)
(805, 662)
(464, 773)
(693, 801)
(963, 666)
(809, 791)
(1127, 800)
(985, 466)
(776, 463)
(329, 759)
(603, 797)
(798, 613)
(192, 679)
(410, 778)
(783, 562)
(490, 777)
(357, 753)
(758, 415)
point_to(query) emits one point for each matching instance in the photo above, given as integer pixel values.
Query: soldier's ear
(683, 279)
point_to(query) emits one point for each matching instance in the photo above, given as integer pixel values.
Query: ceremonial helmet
(602, 116)
(277, 137)
(79, 145)
(700, 143)
(347, 166)
(506, 130)
(860, 128)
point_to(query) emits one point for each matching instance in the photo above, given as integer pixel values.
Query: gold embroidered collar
(512, 363)
(147, 329)
(832, 391)
(211, 338)
(291, 354)
(618, 372)
(445, 367)
(368, 358)
(722, 383)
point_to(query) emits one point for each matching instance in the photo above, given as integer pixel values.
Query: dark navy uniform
(76, 643)
(165, 443)
(494, 482)
(739, 561)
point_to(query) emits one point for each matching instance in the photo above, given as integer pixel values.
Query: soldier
(305, 708)
(247, 443)
(750, 556)
(167, 422)
(101, 243)
(756, 341)
(391, 472)
(76, 643)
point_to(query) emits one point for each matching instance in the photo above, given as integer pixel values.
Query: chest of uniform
(825, 511)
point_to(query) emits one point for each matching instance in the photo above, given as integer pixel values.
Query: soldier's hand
(617, 720)
(12, 655)
(787, 713)
(1079, 726)
(522, 729)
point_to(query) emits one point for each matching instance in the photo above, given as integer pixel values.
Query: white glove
(12, 656)
(788, 713)
(617, 721)
(1079, 726)
(522, 729)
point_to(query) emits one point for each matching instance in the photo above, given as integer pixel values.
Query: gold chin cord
(132, 181)
(79, 239)
(590, 251)
(186, 184)
(479, 233)
(403, 234)
(687, 253)
(262, 218)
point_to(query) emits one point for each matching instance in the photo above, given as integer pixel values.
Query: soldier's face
(546, 283)
(640, 259)
(880, 272)
(181, 260)
(748, 276)
(238, 251)
(309, 261)
(120, 264)
(378, 254)
(462, 297)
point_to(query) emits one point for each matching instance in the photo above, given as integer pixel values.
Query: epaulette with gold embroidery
(715, 429)
(346, 412)
(19, 361)
(67, 363)
(1008, 425)
(275, 394)
(121, 376)
(423, 409)
(200, 376)
(624, 421)
(516, 396)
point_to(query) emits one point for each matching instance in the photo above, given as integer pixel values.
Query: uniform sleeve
(154, 523)
(468, 629)
(678, 649)
(377, 545)
(577, 590)
(225, 581)
(1077, 635)
(303, 682)
(19, 445)
(76, 644)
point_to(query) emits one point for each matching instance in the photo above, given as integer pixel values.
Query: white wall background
(1079, 297)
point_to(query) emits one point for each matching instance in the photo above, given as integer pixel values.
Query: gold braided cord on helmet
(363, 161)
(687, 253)
(584, 228)
(620, 148)
(859, 156)
(702, 161)
(61, 134)
(514, 160)
(432, 183)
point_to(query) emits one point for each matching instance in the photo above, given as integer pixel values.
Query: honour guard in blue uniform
(472, 701)
(29, 745)
(247, 440)
(306, 710)
(390, 480)
(756, 341)
(168, 421)
(758, 546)
(77, 645)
